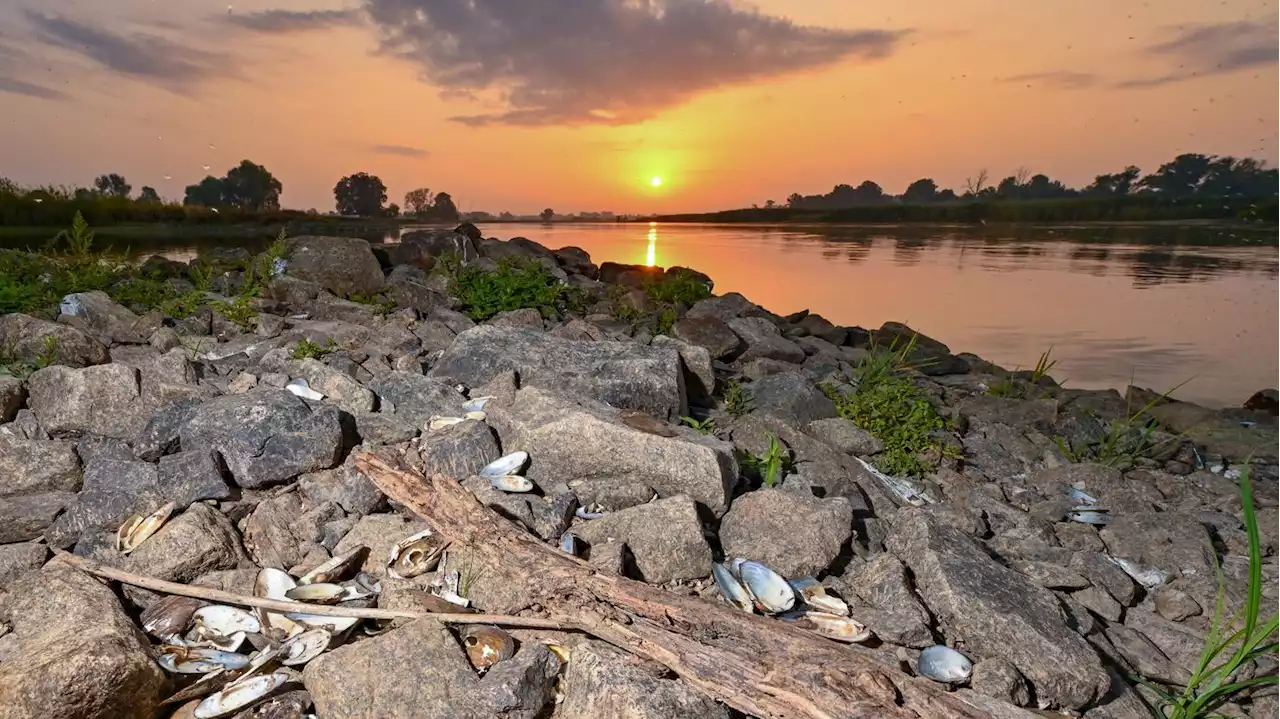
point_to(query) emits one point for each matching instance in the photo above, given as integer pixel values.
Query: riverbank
(665, 427)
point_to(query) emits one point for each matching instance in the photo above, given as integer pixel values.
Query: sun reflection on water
(651, 254)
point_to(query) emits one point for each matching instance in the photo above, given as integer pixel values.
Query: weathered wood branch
(752, 663)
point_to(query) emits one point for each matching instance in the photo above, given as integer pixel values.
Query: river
(1161, 305)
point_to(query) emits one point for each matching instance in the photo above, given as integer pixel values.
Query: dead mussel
(486, 645)
(415, 555)
(944, 664)
(135, 530)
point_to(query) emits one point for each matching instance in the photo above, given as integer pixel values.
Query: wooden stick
(280, 605)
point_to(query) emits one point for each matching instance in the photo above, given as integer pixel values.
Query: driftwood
(752, 663)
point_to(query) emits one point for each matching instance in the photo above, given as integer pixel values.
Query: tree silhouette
(417, 202)
(1179, 178)
(209, 192)
(1114, 184)
(148, 194)
(921, 191)
(393, 210)
(360, 194)
(250, 187)
(977, 184)
(443, 207)
(547, 214)
(112, 185)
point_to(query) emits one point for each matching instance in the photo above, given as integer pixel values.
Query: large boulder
(77, 654)
(423, 248)
(415, 398)
(571, 441)
(997, 611)
(12, 394)
(198, 541)
(342, 265)
(106, 320)
(34, 465)
(601, 681)
(927, 355)
(265, 437)
(104, 399)
(113, 490)
(29, 339)
(347, 393)
(795, 534)
(710, 332)
(1174, 542)
(664, 536)
(459, 450)
(791, 397)
(764, 341)
(622, 374)
(724, 307)
(28, 516)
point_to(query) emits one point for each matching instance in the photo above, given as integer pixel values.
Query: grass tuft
(1126, 440)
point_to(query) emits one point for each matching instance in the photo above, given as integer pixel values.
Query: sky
(577, 104)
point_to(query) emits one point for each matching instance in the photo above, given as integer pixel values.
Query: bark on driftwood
(755, 664)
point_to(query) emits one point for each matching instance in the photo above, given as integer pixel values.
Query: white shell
(185, 660)
(505, 465)
(239, 695)
(477, 416)
(476, 404)
(300, 388)
(415, 555)
(1090, 515)
(136, 530)
(730, 588)
(770, 591)
(511, 483)
(1148, 577)
(304, 647)
(273, 583)
(442, 422)
(569, 543)
(584, 513)
(225, 621)
(944, 664)
(333, 569)
(318, 593)
(833, 626)
(900, 488)
(170, 663)
(200, 637)
(335, 625)
(815, 596)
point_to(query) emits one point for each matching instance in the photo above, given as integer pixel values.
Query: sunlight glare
(656, 181)
(651, 254)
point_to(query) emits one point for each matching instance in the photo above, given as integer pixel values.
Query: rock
(33, 465)
(113, 490)
(268, 535)
(459, 450)
(1146, 659)
(624, 375)
(764, 341)
(601, 681)
(342, 265)
(421, 248)
(1264, 400)
(791, 397)
(28, 516)
(519, 687)
(709, 332)
(611, 493)
(928, 356)
(334, 385)
(411, 287)
(1175, 605)
(1106, 574)
(188, 477)
(569, 442)
(527, 318)
(24, 426)
(379, 532)
(1050, 576)
(19, 559)
(198, 541)
(376, 428)
(998, 678)
(77, 654)
(793, 534)
(1078, 537)
(12, 395)
(883, 584)
(998, 611)
(107, 321)
(577, 261)
(417, 398)
(345, 485)
(91, 447)
(845, 436)
(1172, 541)
(265, 437)
(1099, 602)
(24, 338)
(982, 409)
(724, 307)
(160, 434)
(664, 536)
(105, 400)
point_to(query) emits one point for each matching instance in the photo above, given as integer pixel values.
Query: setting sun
(656, 182)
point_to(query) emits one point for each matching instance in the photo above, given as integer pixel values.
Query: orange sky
(728, 105)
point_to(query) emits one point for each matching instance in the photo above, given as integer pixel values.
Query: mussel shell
(476, 404)
(273, 583)
(1090, 515)
(304, 647)
(239, 695)
(334, 625)
(831, 626)
(730, 588)
(174, 665)
(1079, 495)
(168, 616)
(202, 687)
(511, 483)
(584, 513)
(476, 415)
(200, 637)
(136, 530)
(442, 422)
(368, 582)
(337, 567)
(814, 595)
(318, 593)
(944, 664)
(187, 660)
(770, 591)
(487, 645)
(300, 388)
(505, 465)
(415, 555)
(225, 620)
(569, 543)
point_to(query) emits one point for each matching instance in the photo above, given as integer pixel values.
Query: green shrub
(515, 285)
(737, 399)
(307, 349)
(238, 311)
(382, 304)
(676, 288)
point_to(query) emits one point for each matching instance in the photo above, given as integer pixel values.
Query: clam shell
(239, 695)
(730, 588)
(584, 513)
(487, 645)
(476, 415)
(476, 404)
(304, 647)
(815, 596)
(569, 543)
(1090, 515)
(334, 625)
(202, 687)
(186, 660)
(300, 388)
(318, 593)
(200, 637)
(944, 664)
(368, 582)
(505, 465)
(224, 620)
(336, 568)
(1079, 495)
(136, 530)
(273, 584)
(415, 555)
(511, 483)
(770, 591)
(441, 422)
(172, 664)
(831, 626)
(1148, 577)
(168, 616)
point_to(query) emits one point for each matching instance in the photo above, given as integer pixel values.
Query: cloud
(289, 21)
(149, 58)
(1064, 79)
(1215, 49)
(401, 150)
(604, 61)
(18, 87)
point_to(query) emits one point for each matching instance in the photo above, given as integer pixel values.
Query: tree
(360, 194)
(795, 199)
(417, 202)
(148, 194)
(1115, 184)
(869, 193)
(84, 194)
(976, 184)
(393, 210)
(1009, 188)
(547, 214)
(1181, 177)
(1040, 187)
(251, 188)
(921, 191)
(770, 204)
(210, 192)
(112, 185)
(443, 207)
